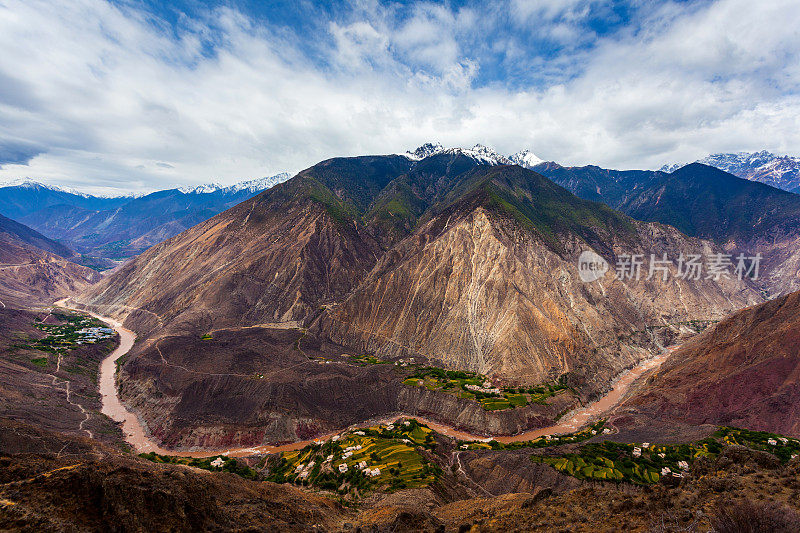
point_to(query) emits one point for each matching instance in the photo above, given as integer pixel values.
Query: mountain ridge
(782, 172)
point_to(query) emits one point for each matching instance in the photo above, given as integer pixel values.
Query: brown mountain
(461, 264)
(490, 285)
(33, 270)
(744, 372)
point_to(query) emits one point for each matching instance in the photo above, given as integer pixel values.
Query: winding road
(138, 438)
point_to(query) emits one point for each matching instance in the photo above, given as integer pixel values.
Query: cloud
(106, 97)
(17, 152)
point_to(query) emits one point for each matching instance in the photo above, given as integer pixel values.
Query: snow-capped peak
(259, 184)
(526, 159)
(254, 185)
(28, 183)
(782, 172)
(484, 152)
(479, 153)
(201, 189)
(426, 150)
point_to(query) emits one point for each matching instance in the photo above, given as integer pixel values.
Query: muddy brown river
(138, 438)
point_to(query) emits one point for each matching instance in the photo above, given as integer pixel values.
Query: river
(137, 437)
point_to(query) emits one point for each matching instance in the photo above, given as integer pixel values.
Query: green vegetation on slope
(470, 385)
(228, 464)
(645, 463)
(544, 441)
(385, 457)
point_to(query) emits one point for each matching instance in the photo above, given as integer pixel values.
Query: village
(492, 394)
(63, 332)
(383, 457)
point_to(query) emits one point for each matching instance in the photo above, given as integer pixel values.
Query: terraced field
(646, 463)
(386, 457)
(478, 387)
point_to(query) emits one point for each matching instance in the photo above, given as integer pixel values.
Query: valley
(383, 331)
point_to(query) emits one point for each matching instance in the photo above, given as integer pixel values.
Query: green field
(456, 382)
(612, 461)
(393, 451)
(229, 463)
(71, 332)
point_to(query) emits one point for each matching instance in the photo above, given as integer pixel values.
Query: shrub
(750, 517)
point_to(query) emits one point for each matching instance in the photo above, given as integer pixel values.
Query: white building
(218, 462)
(637, 452)
(343, 468)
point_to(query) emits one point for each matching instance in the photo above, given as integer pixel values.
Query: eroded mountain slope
(744, 372)
(491, 285)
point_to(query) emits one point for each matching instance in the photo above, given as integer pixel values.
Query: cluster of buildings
(486, 388)
(637, 451)
(94, 334)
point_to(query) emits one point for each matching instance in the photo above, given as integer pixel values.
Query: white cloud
(110, 100)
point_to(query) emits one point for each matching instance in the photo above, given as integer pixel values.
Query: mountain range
(119, 227)
(782, 172)
(450, 257)
(444, 285)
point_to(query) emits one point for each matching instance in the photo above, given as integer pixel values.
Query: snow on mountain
(255, 185)
(526, 159)
(782, 172)
(426, 150)
(27, 183)
(259, 184)
(479, 153)
(201, 189)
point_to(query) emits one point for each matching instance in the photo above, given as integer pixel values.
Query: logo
(591, 266)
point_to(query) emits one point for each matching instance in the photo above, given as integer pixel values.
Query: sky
(134, 96)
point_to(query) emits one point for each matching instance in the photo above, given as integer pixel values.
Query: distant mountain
(26, 235)
(21, 199)
(253, 186)
(33, 270)
(741, 215)
(612, 187)
(782, 172)
(117, 228)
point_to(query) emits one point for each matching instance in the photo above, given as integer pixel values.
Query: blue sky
(135, 96)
